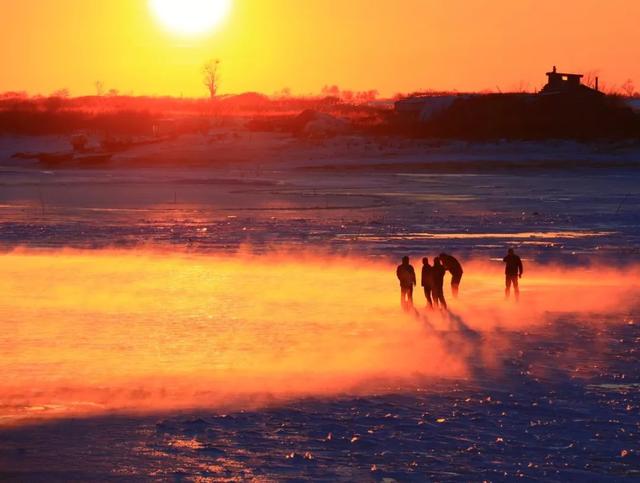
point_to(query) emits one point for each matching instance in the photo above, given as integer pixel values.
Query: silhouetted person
(452, 264)
(513, 271)
(426, 280)
(437, 289)
(407, 276)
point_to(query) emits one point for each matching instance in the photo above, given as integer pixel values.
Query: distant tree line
(136, 115)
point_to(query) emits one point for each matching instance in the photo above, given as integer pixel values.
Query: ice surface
(240, 321)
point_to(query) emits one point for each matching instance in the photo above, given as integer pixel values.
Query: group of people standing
(432, 278)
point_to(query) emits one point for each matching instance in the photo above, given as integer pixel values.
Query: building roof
(564, 74)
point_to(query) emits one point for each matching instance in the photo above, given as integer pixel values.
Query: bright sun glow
(190, 17)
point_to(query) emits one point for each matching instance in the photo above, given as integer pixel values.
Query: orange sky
(266, 45)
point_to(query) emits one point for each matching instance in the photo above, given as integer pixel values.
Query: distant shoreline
(229, 147)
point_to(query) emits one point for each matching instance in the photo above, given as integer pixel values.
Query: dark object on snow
(407, 277)
(513, 271)
(452, 264)
(427, 280)
(70, 159)
(54, 159)
(79, 142)
(438, 272)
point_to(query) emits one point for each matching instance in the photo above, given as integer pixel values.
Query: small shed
(567, 83)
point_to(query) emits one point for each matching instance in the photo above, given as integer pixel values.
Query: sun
(190, 17)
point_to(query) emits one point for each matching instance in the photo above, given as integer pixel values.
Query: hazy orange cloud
(95, 331)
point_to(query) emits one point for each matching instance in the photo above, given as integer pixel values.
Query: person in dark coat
(407, 277)
(452, 264)
(437, 289)
(427, 281)
(513, 271)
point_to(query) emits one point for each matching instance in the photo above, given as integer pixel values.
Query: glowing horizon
(268, 45)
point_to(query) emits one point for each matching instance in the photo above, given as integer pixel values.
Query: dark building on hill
(565, 83)
(564, 109)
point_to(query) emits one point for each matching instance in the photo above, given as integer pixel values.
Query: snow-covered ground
(238, 319)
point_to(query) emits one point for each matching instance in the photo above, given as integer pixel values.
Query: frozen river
(238, 324)
(559, 214)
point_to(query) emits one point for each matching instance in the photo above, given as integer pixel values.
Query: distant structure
(422, 108)
(565, 83)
